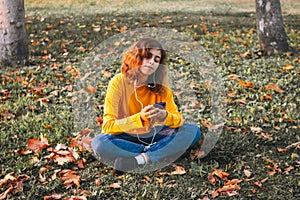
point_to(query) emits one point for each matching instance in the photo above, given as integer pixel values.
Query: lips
(148, 66)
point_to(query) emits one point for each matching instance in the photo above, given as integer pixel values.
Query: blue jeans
(166, 143)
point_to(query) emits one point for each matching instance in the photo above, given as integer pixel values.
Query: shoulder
(117, 79)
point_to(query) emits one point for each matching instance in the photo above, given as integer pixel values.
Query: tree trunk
(271, 33)
(13, 38)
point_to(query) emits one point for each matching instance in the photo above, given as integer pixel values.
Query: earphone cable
(151, 124)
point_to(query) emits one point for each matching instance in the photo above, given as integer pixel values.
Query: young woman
(138, 132)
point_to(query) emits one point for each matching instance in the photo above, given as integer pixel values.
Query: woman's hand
(152, 114)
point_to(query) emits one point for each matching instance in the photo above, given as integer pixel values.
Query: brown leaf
(247, 173)
(287, 67)
(69, 178)
(214, 194)
(256, 129)
(115, 186)
(98, 182)
(147, 178)
(84, 143)
(15, 184)
(61, 160)
(246, 54)
(178, 170)
(275, 87)
(85, 131)
(76, 198)
(196, 153)
(211, 178)
(245, 84)
(4, 195)
(53, 196)
(42, 178)
(22, 152)
(8, 115)
(266, 96)
(206, 123)
(222, 175)
(37, 145)
(281, 150)
(159, 180)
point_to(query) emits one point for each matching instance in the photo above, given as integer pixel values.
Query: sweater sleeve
(112, 122)
(174, 118)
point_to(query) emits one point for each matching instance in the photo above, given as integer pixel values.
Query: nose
(151, 60)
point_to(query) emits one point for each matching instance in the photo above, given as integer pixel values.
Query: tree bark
(13, 37)
(270, 28)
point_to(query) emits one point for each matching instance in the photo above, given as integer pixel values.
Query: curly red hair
(133, 59)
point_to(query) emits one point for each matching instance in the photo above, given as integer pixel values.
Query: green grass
(25, 113)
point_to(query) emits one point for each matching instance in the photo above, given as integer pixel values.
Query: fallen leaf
(42, 178)
(179, 170)
(274, 87)
(76, 198)
(22, 152)
(246, 54)
(159, 180)
(281, 150)
(69, 178)
(115, 186)
(287, 67)
(247, 173)
(84, 143)
(6, 193)
(196, 153)
(222, 175)
(53, 196)
(256, 129)
(37, 145)
(245, 84)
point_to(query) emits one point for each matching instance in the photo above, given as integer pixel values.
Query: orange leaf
(245, 84)
(281, 150)
(53, 196)
(6, 193)
(222, 175)
(287, 67)
(266, 96)
(37, 145)
(159, 180)
(42, 178)
(115, 186)
(215, 34)
(206, 123)
(84, 143)
(178, 170)
(196, 153)
(69, 178)
(61, 160)
(22, 152)
(274, 87)
(211, 178)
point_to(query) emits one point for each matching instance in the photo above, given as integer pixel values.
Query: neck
(141, 78)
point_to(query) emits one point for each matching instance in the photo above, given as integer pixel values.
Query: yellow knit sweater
(122, 109)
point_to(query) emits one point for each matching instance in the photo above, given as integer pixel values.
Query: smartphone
(160, 105)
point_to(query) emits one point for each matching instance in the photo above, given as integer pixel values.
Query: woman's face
(151, 62)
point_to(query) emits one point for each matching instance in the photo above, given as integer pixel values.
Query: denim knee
(98, 143)
(194, 132)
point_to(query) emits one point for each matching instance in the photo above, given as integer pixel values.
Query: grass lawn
(44, 149)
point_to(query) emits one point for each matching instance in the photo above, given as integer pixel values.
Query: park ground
(257, 156)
